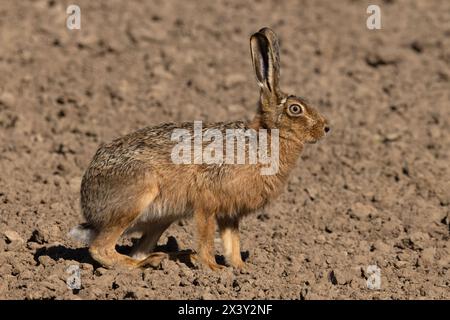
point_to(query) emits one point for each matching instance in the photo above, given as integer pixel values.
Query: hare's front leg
(229, 232)
(206, 228)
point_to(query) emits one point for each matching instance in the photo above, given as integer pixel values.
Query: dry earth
(375, 192)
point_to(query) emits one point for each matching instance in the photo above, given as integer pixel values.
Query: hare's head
(292, 115)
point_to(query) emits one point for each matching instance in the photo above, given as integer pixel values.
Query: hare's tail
(83, 233)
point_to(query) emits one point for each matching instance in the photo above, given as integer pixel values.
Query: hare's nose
(327, 129)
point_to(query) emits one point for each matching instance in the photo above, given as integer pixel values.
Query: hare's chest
(247, 196)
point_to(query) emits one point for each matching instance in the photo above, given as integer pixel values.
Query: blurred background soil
(375, 192)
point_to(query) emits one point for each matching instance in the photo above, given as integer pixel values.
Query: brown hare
(133, 184)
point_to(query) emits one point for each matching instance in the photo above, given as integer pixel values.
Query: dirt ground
(375, 192)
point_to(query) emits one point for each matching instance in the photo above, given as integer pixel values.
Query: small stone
(303, 293)
(38, 236)
(96, 293)
(375, 60)
(419, 240)
(57, 206)
(100, 271)
(446, 220)
(7, 99)
(340, 277)
(221, 289)
(332, 277)
(400, 264)
(362, 211)
(87, 266)
(312, 192)
(207, 296)
(263, 216)
(381, 246)
(184, 282)
(427, 256)
(417, 46)
(12, 236)
(26, 275)
(277, 235)
(261, 294)
(14, 246)
(444, 261)
(320, 239)
(46, 261)
(225, 278)
(130, 295)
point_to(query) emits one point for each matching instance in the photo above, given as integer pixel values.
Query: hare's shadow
(82, 255)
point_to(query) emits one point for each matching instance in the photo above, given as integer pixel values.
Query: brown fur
(132, 183)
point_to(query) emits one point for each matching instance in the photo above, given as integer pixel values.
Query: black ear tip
(265, 29)
(268, 32)
(259, 34)
(260, 38)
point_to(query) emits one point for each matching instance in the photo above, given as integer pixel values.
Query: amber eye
(295, 109)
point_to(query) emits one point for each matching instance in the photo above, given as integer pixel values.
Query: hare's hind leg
(149, 239)
(104, 252)
(229, 232)
(103, 249)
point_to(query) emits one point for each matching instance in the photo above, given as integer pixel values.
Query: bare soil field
(376, 191)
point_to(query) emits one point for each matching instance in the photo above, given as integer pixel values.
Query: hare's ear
(259, 47)
(275, 54)
(265, 55)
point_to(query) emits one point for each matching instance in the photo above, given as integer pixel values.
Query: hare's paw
(110, 259)
(238, 264)
(153, 260)
(214, 266)
(208, 262)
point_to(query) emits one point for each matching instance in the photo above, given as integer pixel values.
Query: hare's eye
(295, 109)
